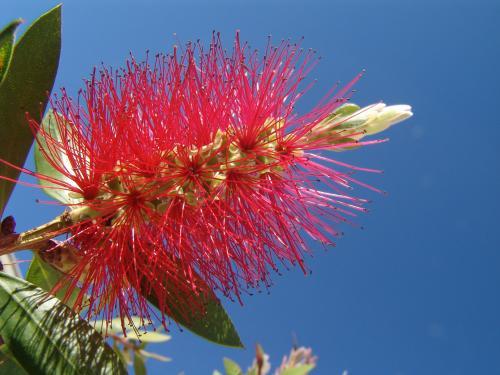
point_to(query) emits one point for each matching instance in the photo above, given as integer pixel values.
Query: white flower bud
(380, 117)
(354, 123)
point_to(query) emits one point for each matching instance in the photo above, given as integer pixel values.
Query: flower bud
(381, 117)
(353, 123)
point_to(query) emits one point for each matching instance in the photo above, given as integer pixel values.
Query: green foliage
(6, 46)
(231, 367)
(8, 364)
(139, 364)
(298, 370)
(46, 277)
(213, 324)
(123, 354)
(156, 356)
(42, 166)
(25, 88)
(130, 348)
(46, 337)
(299, 362)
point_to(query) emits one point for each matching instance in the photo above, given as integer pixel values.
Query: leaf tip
(235, 341)
(12, 26)
(56, 11)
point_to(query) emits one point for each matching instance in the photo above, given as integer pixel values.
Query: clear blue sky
(417, 291)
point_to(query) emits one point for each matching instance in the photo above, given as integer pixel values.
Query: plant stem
(37, 238)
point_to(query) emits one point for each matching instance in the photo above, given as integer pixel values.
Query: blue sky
(416, 291)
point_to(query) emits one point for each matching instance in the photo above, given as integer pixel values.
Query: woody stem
(37, 238)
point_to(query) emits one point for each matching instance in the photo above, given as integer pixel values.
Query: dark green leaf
(6, 44)
(46, 337)
(25, 89)
(139, 365)
(8, 364)
(231, 367)
(49, 125)
(213, 324)
(46, 277)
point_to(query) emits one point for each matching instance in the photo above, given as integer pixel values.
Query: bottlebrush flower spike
(198, 164)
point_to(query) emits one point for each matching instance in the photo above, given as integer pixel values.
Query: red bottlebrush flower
(197, 164)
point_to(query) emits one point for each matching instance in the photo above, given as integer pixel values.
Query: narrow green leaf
(6, 44)
(231, 367)
(213, 325)
(298, 370)
(156, 356)
(25, 88)
(42, 166)
(121, 354)
(139, 364)
(46, 337)
(46, 277)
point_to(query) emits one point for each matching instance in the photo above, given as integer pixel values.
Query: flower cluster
(196, 166)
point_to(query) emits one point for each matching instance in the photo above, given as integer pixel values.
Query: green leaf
(6, 44)
(156, 356)
(298, 370)
(213, 325)
(49, 125)
(46, 277)
(231, 367)
(8, 364)
(124, 358)
(139, 364)
(25, 88)
(46, 337)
